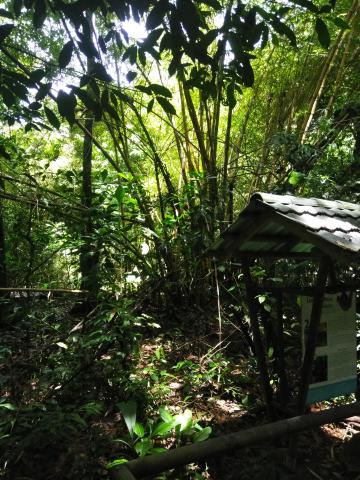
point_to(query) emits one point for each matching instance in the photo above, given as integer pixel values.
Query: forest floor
(63, 379)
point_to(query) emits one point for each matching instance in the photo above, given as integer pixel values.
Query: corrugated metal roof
(288, 225)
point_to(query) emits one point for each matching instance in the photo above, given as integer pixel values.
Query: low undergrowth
(70, 385)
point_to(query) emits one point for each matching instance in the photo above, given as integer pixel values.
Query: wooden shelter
(293, 227)
(289, 227)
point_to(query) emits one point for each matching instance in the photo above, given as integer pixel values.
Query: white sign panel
(334, 367)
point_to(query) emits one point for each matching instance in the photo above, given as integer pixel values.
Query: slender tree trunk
(3, 276)
(89, 255)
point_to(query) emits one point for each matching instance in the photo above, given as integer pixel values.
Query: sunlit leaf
(162, 428)
(166, 415)
(204, 434)
(139, 430)
(115, 463)
(128, 410)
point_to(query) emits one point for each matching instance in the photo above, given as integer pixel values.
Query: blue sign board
(334, 366)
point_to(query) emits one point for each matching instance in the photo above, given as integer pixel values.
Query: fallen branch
(42, 290)
(154, 464)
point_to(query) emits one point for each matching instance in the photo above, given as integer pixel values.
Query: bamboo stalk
(327, 67)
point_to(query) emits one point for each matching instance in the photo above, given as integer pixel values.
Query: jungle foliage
(131, 135)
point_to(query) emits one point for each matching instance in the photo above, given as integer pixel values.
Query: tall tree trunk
(89, 254)
(3, 276)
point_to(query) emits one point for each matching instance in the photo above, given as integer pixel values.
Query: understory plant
(151, 436)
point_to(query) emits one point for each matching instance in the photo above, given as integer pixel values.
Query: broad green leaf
(160, 90)
(35, 105)
(4, 13)
(230, 96)
(98, 71)
(66, 105)
(322, 33)
(87, 47)
(39, 13)
(184, 420)
(130, 76)
(143, 447)
(52, 118)
(157, 15)
(62, 345)
(128, 410)
(43, 91)
(5, 31)
(119, 194)
(307, 4)
(150, 105)
(139, 430)
(144, 89)
(284, 29)
(84, 80)
(204, 434)
(166, 105)
(115, 463)
(261, 298)
(37, 75)
(247, 73)
(17, 4)
(162, 428)
(7, 406)
(4, 153)
(295, 178)
(66, 54)
(339, 22)
(270, 352)
(102, 44)
(212, 3)
(87, 100)
(8, 97)
(157, 450)
(166, 415)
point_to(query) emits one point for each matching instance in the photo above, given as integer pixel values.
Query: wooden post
(279, 351)
(310, 345)
(259, 347)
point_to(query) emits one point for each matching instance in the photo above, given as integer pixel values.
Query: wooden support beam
(155, 464)
(278, 255)
(259, 347)
(280, 351)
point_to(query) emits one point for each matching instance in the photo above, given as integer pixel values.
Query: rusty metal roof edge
(333, 248)
(328, 247)
(303, 201)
